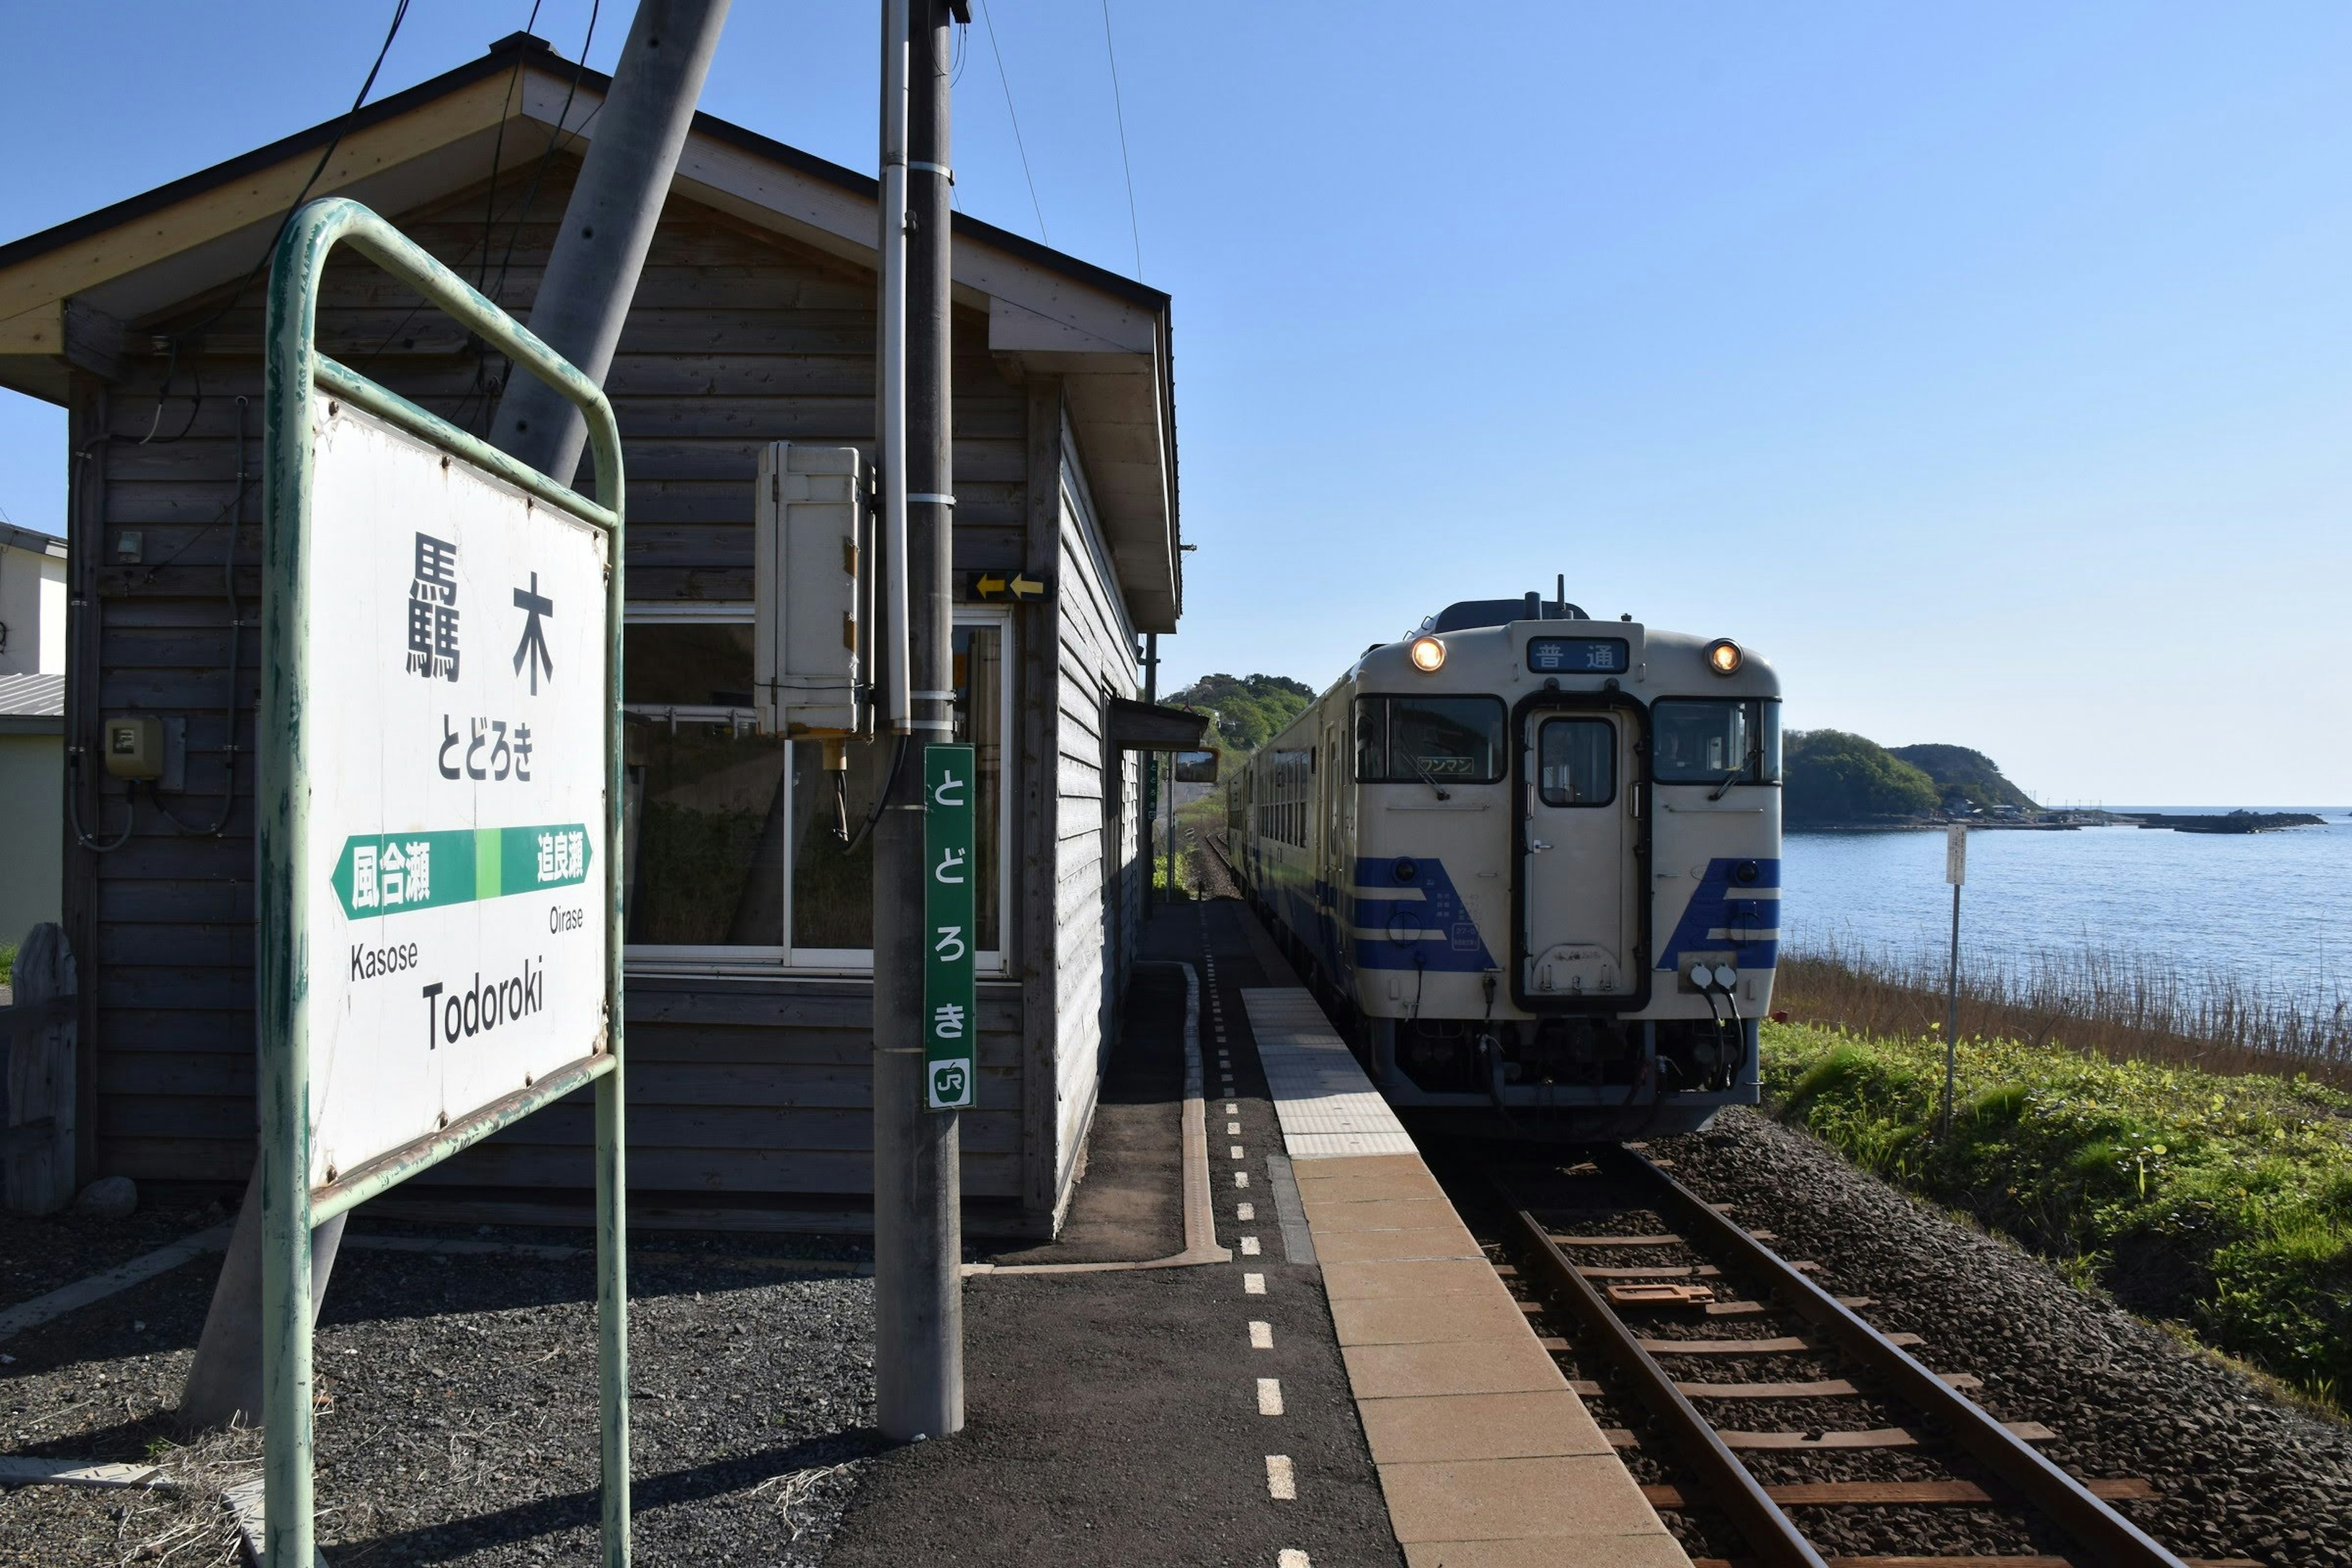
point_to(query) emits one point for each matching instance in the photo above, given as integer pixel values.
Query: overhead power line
(1006, 83)
(1133, 227)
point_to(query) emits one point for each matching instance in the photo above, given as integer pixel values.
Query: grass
(2219, 1200)
(2125, 1006)
(7, 964)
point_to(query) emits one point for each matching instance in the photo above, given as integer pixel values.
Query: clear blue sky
(1988, 367)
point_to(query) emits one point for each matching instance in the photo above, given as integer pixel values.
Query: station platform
(1263, 1337)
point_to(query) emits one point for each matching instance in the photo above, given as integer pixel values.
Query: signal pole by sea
(918, 1221)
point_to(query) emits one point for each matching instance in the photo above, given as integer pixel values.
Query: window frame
(1500, 744)
(851, 962)
(987, 963)
(1608, 727)
(672, 958)
(1761, 768)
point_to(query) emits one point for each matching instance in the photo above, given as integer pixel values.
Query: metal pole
(890, 220)
(1171, 827)
(1952, 1013)
(918, 1225)
(608, 224)
(1150, 760)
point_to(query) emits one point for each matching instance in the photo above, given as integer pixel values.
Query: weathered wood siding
(1095, 861)
(737, 338)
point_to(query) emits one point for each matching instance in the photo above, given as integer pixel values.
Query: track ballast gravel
(2237, 1472)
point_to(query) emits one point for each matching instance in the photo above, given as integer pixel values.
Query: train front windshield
(1402, 739)
(1708, 741)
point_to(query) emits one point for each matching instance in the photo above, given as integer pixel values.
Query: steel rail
(2112, 1538)
(1770, 1532)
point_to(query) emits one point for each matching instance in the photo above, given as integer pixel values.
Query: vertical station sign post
(950, 1030)
(1956, 872)
(440, 830)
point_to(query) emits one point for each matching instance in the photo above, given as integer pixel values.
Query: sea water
(2275, 910)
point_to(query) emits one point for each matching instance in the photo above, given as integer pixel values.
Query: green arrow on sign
(950, 873)
(387, 873)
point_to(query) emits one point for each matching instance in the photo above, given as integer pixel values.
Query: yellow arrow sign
(988, 587)
(1027, 588)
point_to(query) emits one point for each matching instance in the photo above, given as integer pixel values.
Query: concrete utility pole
(608, 224)
(918, 1218)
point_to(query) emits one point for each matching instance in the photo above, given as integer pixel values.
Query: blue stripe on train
(1433, 931)
(1727, 912)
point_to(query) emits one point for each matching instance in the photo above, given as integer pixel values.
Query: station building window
(736, 853)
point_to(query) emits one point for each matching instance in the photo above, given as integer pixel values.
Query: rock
(109, 1197)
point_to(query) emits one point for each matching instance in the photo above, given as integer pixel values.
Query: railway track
(1667, 1307)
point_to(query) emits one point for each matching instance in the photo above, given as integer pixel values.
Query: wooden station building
(748, 958)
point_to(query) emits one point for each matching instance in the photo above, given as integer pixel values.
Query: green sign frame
(294, 370)
(951, 875)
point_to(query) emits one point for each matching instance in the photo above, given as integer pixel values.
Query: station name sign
(455, 778)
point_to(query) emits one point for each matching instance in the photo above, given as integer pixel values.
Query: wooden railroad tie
(1821, 1388)
(1975, 1561)
(1817, 1438)
(1896, 1494)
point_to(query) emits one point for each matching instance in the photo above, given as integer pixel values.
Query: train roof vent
(1469, 614)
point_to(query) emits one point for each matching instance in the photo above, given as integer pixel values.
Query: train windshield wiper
(1733, 777)
(1422, 769)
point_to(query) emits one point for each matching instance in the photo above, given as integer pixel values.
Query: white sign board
(452, 765)
(1956, 855)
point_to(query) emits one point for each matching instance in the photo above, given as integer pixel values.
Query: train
(1531, 864)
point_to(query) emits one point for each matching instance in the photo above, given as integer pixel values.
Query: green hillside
(1834, 777)
(1969, 775)
(1250, 709)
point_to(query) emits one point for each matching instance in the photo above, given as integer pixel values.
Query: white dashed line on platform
(1238, 1150)
(1245, 1212)
(1249, 1246)
(1292, 1558)
(1281, 1483)
(1269, 1397)
(1252, 1284)
(1233, 1129)
(1261, 1336)
(1232, 1110)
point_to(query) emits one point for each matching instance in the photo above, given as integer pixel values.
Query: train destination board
(454, 779)
(1576, 655)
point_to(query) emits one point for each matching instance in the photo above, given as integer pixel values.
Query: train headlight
(1428, 655)
(1723, 657)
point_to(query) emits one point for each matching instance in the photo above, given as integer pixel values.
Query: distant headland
(1839, 781)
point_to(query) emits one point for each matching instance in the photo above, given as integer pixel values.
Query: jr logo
(947, 1082)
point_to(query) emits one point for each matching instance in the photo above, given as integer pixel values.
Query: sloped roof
(32, 696)
(67, 291)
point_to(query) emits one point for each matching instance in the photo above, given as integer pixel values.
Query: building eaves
(33, 539)
(32, 696)
(525, 48)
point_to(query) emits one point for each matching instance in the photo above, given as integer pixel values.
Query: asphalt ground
(1115, 1417)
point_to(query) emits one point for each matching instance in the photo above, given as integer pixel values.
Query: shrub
(2222, 1202)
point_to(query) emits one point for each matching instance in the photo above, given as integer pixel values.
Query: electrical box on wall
(814, 642)
(133, 747)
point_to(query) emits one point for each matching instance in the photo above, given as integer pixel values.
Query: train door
(1579, 879)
